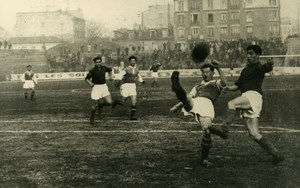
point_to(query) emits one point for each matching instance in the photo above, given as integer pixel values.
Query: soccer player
(250, 102)
(128, 88)
(200, 104)
(118, 74)
(96, 79)
(30, 80)
(154, 73)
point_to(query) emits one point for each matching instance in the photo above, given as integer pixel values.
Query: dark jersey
(97, 75)
(252, 77)
(154, 68)
(28, 75)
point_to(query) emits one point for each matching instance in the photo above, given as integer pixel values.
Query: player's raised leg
(180, 92)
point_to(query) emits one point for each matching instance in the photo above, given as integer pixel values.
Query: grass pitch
(49, 142)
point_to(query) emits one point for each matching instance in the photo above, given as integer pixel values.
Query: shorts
(99, 91)
(154, 74)
(255, 100)
(28, 84)
(202, 106)
(128, 89)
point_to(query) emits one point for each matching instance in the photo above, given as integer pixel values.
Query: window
(195, 5)
(223, 30)
(223, 17)
(180, 19)
(272, 2)
(62, 27)
(195, 18)
(210, 4)
(180, 5)
(249, 17)
(274, 28)
(195, 33)
(210, 32)
(224, 3)
(181, 33)
(152, 34)
(249, 2)
(235, 30)
(273, 15)
(249, 29)
(234, 3)
(210, 18)
(42, 25)
(235, 16)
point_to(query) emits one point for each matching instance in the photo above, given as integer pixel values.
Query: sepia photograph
(150, 93)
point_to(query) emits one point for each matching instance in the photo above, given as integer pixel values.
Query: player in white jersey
(29, 80)
(118, 73)
(200, 104)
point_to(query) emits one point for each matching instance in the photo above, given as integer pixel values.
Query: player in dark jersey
(128, 88)
(30, 80)
(200, 104)
(250, 102)
(96, 78)
(154, 73)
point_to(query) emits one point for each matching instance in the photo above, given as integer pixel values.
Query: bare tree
(95, 31)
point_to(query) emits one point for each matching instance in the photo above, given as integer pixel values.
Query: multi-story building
(63, 26)
(226, 19)
(157, 16)
(153, 33)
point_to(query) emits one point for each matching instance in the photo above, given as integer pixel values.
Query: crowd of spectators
(232, 54)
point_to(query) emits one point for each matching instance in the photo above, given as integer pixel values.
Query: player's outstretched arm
(140, 78)
(89, 82)
(268, 66)
(230, 88)
(176, 107)
(216, 64)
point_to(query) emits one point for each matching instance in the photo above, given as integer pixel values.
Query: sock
(26, 95)
(32, 94)
(268, 147)
(93, 114)
(133, 110)
(205, 145)
(176, 87)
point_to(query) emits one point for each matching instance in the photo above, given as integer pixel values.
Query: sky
(113, 14)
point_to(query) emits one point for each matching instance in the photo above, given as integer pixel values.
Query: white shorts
(202, 106)
(128, 89)
(99, 91)
(154, 74)
(28, 84)
(118, 76)
(255, 100)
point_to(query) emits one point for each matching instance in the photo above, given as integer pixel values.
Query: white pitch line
(131, 131)
(130, 121)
